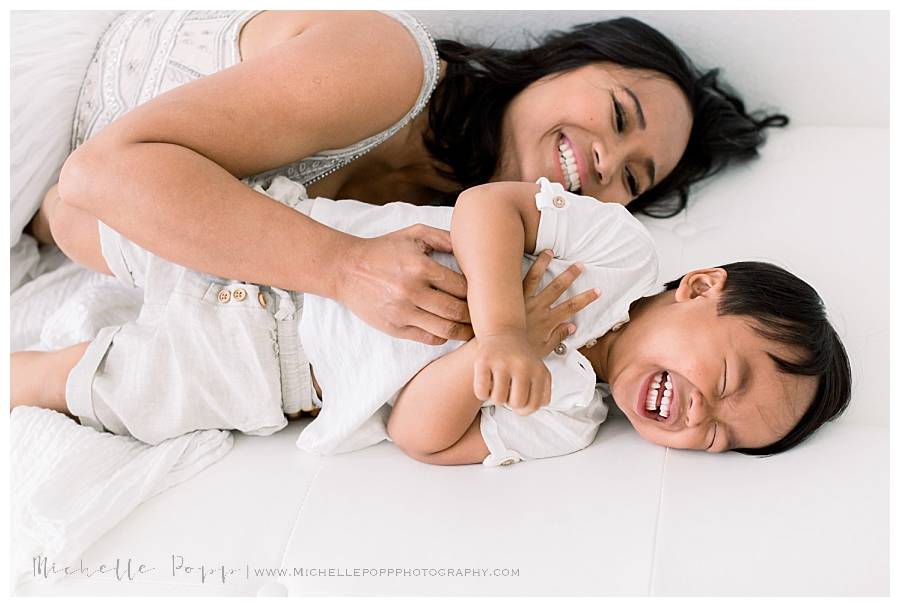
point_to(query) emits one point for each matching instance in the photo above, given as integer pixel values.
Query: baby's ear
(701, 283)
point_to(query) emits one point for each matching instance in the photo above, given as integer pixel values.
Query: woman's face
(602, 130)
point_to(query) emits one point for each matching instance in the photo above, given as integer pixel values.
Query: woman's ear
(701, 283)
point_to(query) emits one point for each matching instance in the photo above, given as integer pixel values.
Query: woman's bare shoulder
(269, 28)
(309, 81)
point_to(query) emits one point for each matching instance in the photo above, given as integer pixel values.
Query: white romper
(361, 370)
(200, 356)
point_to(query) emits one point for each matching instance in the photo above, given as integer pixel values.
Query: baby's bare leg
(39, 379)
(74, 231)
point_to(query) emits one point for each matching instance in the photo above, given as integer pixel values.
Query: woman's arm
(165, 174)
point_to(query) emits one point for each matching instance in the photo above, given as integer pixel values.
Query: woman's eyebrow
(650, 166)
(642, 123)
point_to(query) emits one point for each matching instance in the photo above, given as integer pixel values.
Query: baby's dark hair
(466, 110)
(789, 311)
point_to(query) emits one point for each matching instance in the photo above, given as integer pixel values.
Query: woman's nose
(604, 159)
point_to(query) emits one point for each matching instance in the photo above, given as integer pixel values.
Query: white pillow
(49, 55)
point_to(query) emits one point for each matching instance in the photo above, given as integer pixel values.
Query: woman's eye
(620, 116)
(632, 182)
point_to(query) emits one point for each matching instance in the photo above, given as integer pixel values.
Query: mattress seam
(659, 501)
(290, 539)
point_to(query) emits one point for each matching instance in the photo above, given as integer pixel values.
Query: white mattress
(623, 517)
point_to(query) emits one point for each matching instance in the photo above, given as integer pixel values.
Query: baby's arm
(492, 226)
(436, 417)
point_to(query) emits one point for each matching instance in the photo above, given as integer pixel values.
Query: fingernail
(571, 329)
(597, 292)
(579, 265)
(548, 252)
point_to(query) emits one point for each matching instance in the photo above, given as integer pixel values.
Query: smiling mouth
(569, 165)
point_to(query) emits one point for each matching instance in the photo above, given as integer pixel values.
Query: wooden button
(559, 202)
(224, 296)
(240, 294)
(262, 299)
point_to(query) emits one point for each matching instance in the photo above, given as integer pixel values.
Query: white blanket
(70, 484)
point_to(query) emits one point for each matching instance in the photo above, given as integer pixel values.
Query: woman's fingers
(444, 306)
(444, 279)
(416, 334)
(441, 277)
(535, 272)
(435, 238)
(441, 327)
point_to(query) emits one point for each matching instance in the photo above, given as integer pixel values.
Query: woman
(611, 109)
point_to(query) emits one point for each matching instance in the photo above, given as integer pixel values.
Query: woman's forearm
(187, 209)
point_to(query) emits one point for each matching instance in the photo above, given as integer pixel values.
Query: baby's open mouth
(659, 394)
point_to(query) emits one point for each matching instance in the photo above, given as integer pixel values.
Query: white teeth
(656, 385)
(569, 166)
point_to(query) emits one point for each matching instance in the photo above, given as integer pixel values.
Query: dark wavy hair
(467, 106)
(787, 310)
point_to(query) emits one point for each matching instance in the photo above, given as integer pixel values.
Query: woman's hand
(391, 283)
(546, 326)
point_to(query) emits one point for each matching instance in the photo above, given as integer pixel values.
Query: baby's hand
(507, 370)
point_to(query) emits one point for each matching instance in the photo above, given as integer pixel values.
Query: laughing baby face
(689, 378)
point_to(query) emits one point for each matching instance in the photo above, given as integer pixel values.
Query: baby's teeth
(667, 393)
(665, 401)
(658, 377)
(655, 385)
(668, 384)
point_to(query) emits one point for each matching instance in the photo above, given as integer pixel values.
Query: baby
(739, 357)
